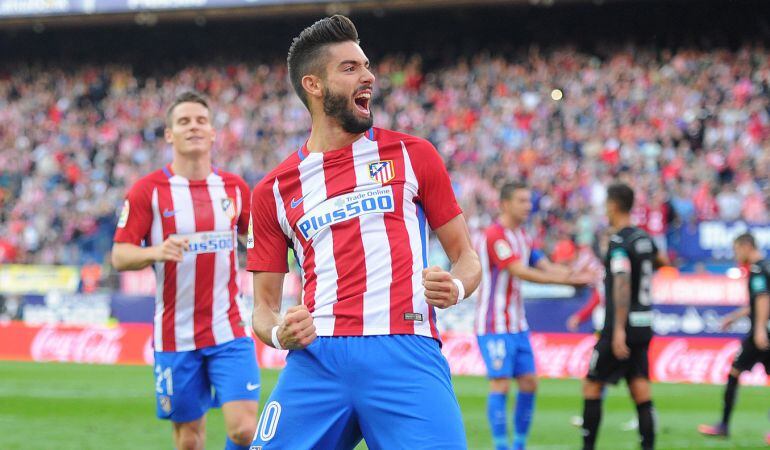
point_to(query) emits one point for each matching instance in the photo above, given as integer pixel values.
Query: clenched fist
(440, 290)
(297, 330)
(172, 249)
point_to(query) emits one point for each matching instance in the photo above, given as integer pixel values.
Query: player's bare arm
(441, 290)
(621, 296)
(661, 260)
(572, 277)
(295, 330)
(734, 316)
(127, 256)
(760, 321)
(538, 275)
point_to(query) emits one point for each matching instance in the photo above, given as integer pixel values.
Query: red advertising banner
(558, 355)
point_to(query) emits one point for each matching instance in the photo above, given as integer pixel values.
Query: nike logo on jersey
(251, 387)
(295, 203)
(168, 213)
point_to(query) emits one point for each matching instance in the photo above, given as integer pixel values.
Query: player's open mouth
(361, 101)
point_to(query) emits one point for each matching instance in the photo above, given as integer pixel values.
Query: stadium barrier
(703, 360)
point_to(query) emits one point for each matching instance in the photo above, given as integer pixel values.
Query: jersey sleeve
(136, 216)
(758, 283)
(501, 253)
(243, 218)
(435, 187)
(620, 260)
(267, 247)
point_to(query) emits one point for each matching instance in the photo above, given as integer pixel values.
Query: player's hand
(172, 249)
(573, 323)
(760, 339)
(440, 290)
(581, 278)
(619, 347)
(297, 330)
(726, 323)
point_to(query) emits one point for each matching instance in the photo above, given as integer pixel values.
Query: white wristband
(276, 342)
(460, 290)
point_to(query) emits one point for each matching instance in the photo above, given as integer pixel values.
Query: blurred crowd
(689, 129)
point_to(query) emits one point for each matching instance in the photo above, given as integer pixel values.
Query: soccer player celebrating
(354, 203)
(501, 325)
(188, 215)
(624, 341)
(754, 348)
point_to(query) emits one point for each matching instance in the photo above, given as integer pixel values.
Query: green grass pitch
(81, 407)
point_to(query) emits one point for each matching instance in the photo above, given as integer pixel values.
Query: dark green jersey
(631, 251)
(759, 283)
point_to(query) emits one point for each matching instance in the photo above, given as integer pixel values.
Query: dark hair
(306, 48)
(509, 188)
(746, 238)
(622, 195)
(185, 97)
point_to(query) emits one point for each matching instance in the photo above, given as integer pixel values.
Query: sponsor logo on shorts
(252, 387)
(165, 403)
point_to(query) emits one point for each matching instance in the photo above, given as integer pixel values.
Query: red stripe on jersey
(168, 336)
(340, 174)
(233, 313)
(400, 251)
(204, 264)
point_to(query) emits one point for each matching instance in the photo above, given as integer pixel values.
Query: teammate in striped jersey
(507, 258)
(354, 203)
(188, 215)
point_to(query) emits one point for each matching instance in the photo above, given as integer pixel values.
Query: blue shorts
(393, 391)
(184, 380)
(507, 355)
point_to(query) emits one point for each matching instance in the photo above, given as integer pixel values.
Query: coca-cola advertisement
(703, 360)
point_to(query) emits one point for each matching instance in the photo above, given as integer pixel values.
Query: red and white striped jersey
(586, 260)
(500, 307)
(196, 301)
(356, 219)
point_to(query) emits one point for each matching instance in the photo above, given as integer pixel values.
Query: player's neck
(509, 222)
(622, 222)
(327, 135)
(191, 168)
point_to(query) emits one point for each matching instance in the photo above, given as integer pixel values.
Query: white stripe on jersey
(313, 181)
(500, 304)
(220, 320)
(376, 303)
(486, 283)
(156, 238)
(415, 242)
(184, 217)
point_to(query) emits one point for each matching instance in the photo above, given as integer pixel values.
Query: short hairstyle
(622, 195)
(185, 97)
(746, 239)
(306, 49)
(509, 188)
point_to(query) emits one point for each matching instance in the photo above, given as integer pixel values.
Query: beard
(338, 107)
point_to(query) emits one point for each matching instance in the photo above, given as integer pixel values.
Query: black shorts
(749, 355)
(606, 368)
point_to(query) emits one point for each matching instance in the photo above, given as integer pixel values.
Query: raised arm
(440, 289)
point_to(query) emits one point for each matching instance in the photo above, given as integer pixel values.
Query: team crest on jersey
(165, 403)
(124, 215)
(228, 207)
(382, 171)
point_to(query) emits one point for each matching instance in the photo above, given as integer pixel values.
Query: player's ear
(168, 136)
(313, 86)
